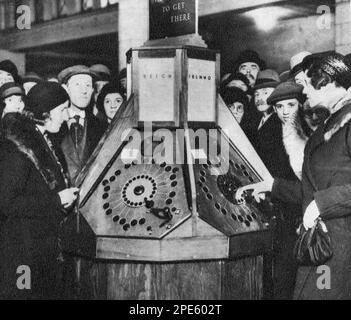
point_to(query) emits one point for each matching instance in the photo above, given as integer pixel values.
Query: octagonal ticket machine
(157, 214)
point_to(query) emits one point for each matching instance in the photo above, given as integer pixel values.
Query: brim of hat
(297, 69)
(90, 73)
(268, 84)
(102, 77)
(30, 79)
(261, 63)
(292, 95)
(12, 92)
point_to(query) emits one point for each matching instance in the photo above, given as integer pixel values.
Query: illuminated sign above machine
(172, 18)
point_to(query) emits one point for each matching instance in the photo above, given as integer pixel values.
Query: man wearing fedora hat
(83, 131)
(250, 64)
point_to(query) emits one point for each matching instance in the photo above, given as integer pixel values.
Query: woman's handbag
(313, 246)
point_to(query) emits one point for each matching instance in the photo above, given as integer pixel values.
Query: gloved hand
(259, 190)
(68, 196)
(310, 216)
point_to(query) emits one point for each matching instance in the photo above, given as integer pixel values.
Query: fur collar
(341, 120)
(28, 140)
(294, 141)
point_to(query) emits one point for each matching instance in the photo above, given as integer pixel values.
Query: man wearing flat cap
(83, 131)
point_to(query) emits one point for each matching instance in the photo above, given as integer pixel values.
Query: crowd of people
(299, 126)
(297, 121)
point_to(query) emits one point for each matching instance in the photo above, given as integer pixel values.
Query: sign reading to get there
(172, 18)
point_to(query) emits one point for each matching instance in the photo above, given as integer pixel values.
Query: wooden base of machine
(209, 280)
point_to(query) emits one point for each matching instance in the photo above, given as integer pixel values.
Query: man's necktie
(77, 131)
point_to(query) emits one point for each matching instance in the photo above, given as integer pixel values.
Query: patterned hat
(336, 66)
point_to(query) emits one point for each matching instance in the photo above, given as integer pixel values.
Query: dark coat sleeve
(335, 202)
(15, 200)
(287, 191)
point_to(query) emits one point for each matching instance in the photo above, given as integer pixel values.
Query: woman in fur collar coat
(33, 195)
(287, 100)
(325, 189)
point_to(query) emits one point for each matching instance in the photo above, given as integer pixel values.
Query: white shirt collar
(72, 113)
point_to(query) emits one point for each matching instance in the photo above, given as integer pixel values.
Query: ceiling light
(267, 18)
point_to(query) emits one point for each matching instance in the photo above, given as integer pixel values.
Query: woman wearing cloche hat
(287, 100)
(34, 195)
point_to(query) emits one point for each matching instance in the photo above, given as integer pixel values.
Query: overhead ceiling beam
(208, 7)
(71, 55)
(61, 30)
(99, 23)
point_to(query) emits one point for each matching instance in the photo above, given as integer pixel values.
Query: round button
(139, 190)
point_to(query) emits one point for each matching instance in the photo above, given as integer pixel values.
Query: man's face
(5, 77)
(287, 110)
(238, 84)
(80, 89)
(321, 96)
(57, 117)
(237, 109)
(112, 103)
(250, 71)
(13, 104)
(261, 96)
